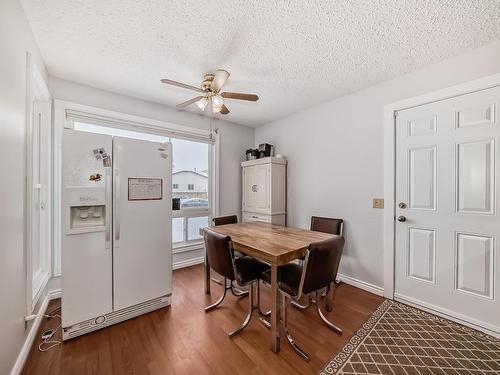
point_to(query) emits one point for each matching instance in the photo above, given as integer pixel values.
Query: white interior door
(447, 168)
(142, 255)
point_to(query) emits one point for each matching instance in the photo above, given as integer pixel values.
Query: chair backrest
(223, 220)
(327, 225)
(219, 254)
(322, 264)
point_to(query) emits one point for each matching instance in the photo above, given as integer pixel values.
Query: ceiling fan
(210, 90)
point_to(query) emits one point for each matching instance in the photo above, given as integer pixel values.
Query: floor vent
(106, 320)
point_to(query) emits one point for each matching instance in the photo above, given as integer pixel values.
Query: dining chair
(245, 270)
(224, 220)
(325, 225)
(319, 270)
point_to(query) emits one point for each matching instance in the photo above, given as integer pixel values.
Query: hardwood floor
(183, 339)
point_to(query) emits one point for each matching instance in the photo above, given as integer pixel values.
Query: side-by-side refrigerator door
(86, 226)
(142, 255)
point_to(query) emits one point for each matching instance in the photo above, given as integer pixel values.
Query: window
(175, 186)
(191, 176)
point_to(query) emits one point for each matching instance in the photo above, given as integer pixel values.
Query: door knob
(401, 219)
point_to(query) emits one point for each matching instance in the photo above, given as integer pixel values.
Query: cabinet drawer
(256, 217)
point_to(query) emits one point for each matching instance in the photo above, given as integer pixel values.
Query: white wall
(335, 155)
(234, 139)
(15, 40)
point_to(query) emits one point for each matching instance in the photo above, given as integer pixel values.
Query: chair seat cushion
(288, 278)
(248, 269)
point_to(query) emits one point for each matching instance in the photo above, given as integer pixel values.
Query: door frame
(36, 89)
(390, 113)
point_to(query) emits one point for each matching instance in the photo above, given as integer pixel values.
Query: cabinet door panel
(256, 188)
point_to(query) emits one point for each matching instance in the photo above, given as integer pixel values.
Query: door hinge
(395, 114)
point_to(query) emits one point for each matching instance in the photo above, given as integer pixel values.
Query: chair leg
(284, 317)
(297, 305)
(238, 292)
(218, 302)
(265, 323)
(267, 313)
(247, 318)
(329, 297)
(324, 319)
(336, 282)
(325, 293)
(217, 281)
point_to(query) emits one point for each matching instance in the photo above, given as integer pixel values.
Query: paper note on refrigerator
(145, 189)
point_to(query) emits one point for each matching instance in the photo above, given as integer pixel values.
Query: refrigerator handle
(116, 216)
(109, 197)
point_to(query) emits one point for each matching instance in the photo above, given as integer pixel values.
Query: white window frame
(36, 90)
(66, 112)
(186, 214)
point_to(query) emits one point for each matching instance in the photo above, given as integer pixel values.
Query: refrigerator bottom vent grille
(115, 317)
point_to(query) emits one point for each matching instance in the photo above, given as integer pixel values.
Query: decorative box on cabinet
(264, 190)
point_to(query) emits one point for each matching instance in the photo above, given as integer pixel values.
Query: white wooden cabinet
(264, 190)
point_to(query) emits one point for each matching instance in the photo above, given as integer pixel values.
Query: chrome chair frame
(236, 291)
(242, 294)
(284, 311)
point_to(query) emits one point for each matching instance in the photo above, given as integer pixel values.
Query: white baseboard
(54, 294)
(379, 291)
(188, 263)
(30, 338)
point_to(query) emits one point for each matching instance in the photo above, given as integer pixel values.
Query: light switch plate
(378, 202)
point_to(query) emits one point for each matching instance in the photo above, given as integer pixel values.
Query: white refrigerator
(116, 230)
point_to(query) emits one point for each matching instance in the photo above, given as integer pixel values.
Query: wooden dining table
(273, 244)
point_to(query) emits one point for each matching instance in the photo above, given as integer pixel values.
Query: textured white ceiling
(293, 54)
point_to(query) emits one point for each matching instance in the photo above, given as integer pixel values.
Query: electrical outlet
(378, 202)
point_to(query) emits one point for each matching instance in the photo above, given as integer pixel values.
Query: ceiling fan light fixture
(202, 103)
(217, 103)
(211, 93)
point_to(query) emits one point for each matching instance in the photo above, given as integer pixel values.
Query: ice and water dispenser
(87, 206)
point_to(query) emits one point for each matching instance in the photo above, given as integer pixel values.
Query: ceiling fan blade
(179, 84)
(220, 78)
(240, 96)
(224, 110)
(188, 102)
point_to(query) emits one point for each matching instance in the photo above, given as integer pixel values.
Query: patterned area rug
(399, 339)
